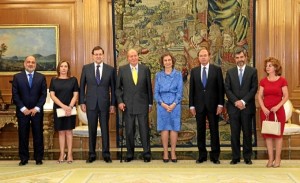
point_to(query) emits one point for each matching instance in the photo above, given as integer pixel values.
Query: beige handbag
(271, 127)
(62, 113)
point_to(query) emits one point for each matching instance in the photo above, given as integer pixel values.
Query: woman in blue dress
(168, 96)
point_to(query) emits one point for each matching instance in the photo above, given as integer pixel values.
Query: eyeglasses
(100, 54)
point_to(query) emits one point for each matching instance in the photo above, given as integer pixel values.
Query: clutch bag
(271, 127)
(61, 112)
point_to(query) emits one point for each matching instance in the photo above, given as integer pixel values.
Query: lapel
(91, 70)
(210, 73)
(197, 75)
(104, 71)
(139, 74)
(245, 75)
(235, 77)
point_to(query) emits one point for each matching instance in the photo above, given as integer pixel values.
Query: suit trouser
(241, 121)
(103, 116)
(36, 123)
(143, 130)
(214, 134)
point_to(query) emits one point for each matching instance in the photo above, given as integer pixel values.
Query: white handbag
(61, 113)
(271, 127)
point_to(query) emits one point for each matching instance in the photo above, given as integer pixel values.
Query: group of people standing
(102, 89)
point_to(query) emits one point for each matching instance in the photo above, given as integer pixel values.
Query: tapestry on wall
(182, 27)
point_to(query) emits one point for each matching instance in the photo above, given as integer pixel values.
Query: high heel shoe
(174, 160)
(62, 160)
(165, 160)
(276, 165)
(70, 161)
(269, 165)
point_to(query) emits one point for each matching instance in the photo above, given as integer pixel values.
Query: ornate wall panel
(182, 28)
(277, 35)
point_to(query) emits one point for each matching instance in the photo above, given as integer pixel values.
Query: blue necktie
(98, 75)
(204, 79)
(30, 80)
(241, 76)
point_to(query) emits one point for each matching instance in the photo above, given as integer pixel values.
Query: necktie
(98, 75)
(30, 80)
(241, 76)
(134, 75)
(204, 78)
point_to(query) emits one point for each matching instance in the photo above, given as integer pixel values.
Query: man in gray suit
(135, 99)
(97, 99)
(241, 86)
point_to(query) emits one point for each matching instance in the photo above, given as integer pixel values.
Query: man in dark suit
(97, 99)
(135, 99)
(206, 102)
(240, 87)
(29, 92)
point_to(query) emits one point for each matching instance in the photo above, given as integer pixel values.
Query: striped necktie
(241, 76)
(30, 80)
(204, 78)
(98, 75)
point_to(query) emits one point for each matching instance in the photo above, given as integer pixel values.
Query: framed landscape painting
(19, 41)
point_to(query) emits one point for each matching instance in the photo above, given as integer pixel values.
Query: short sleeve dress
(64, 89)
(168, 89)
(272, 95)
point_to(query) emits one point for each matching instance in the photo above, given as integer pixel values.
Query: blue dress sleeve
(157, 96)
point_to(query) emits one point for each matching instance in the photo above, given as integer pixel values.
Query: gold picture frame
(20, 40)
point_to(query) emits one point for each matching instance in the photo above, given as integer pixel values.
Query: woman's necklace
(273, 78)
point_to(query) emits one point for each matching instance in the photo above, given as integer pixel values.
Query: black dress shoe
(107, 160)
(39, 162)
(128, 159)
(165, 160)
(215, 161)
(248, 161)
(234, 161)
(23, 162)
(201, 160)
(147, 159)
(90, 160)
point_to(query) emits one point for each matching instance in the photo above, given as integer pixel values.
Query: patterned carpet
(154, 172)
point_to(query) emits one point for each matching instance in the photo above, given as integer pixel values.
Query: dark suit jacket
(23, 95)
(212, 95)
(246, 92)
(91, 93)
(137, 98)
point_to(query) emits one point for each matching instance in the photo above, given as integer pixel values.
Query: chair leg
(98, 140)
(80, 138)
(289, 142)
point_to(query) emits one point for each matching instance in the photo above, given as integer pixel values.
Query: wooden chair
(291, 128)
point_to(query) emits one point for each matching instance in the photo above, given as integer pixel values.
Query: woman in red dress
(273, 93)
